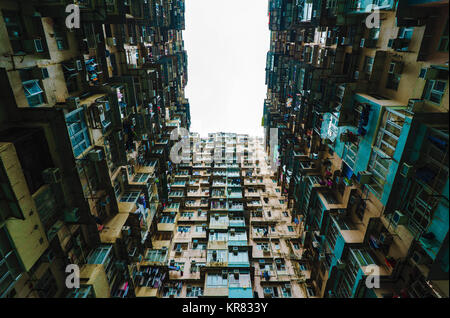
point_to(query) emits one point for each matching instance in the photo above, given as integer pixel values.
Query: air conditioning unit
(96, 155)
(364, 177)
(224, 274)
(73, 103)
(399, 218)
(235, 250)
(51, 175)
(396, 68)
(236, 273)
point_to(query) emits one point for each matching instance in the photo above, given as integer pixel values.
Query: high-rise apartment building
(358, 96)
(347, 189)
(86, 115)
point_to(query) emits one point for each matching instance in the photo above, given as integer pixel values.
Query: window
(33, 93)
(434, 91)
(286, 291)
(10, 267)
(156, 256)
(332, 234)
(46, 285)
(281, 266)
(199, 246)
(194, 291)
(180, 247)
(15, 30)
(218, 236)
(443, 43)
(184, 229)
(262, 246)
(217, 256)
(61, 38)
(393, 81)
(368, 64)
(199, 229)
(296, 246)
(167, 219)
(129, 197)
(78, 132)
(311, 292)
(241, 280)
(405, 33)
(141, 177)
(9, 206)
(290, 228)
(350, 152)
(238, 257)
(216, 281)
(117, 188)
(271, 292)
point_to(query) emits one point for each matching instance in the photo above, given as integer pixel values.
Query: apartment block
(226, 230)
(359, 101)
(85, 121)
(105, 192)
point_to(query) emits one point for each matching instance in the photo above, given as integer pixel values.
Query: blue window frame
(78, 132)
(434, 91)
(33, 93)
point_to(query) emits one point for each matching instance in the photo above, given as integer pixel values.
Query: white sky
(227, 43)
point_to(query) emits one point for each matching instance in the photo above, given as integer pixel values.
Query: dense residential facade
(361, 114)
(86, 116)
(350, 179)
